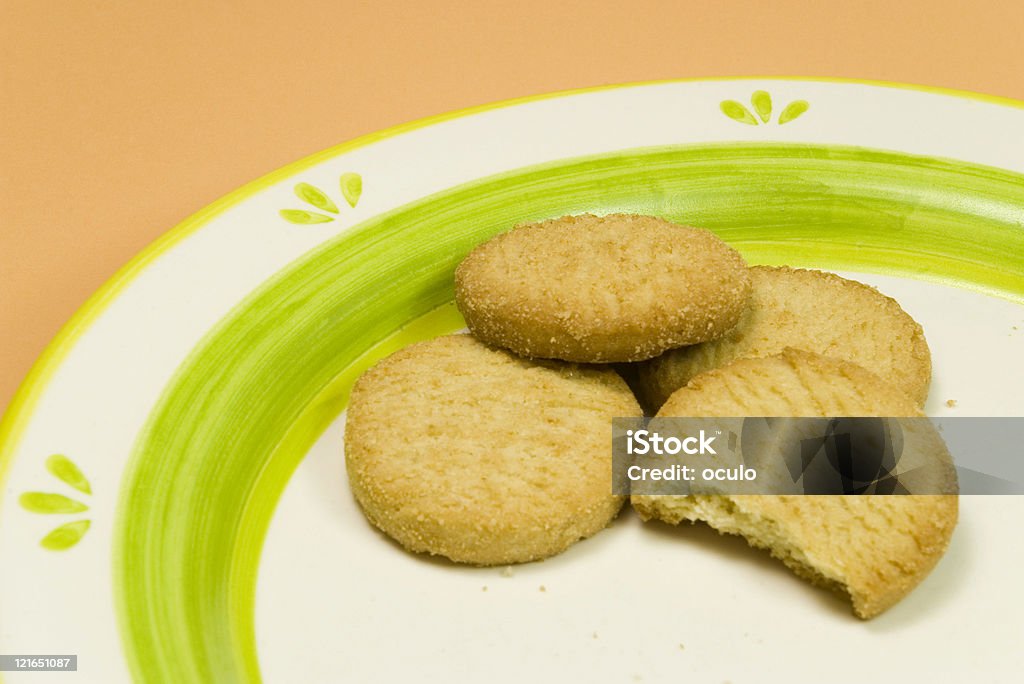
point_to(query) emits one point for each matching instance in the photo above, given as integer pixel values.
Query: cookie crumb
(507, 571)
(681, 647)
(542, 588)
(483, 588)
(951, 403)
(595, 635)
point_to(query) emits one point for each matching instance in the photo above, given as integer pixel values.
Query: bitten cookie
(461, 450)
(599, 289)
(875, 549)
(813, 310)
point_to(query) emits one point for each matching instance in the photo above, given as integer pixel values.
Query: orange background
(119, 119)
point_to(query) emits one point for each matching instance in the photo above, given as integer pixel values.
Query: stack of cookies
(493, 448)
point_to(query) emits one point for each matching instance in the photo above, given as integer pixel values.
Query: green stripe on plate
(243, 409)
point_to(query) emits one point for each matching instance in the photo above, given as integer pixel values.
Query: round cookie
(876, 548)
(600, 289)
(461, 450)
(813, 310)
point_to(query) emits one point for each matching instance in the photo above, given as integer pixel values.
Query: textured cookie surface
(458, 449)
(813, 310)
(875, 549)
(601, 289)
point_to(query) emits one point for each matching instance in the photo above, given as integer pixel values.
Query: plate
(174, 500)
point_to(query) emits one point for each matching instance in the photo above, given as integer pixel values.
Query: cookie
(599, 289)
(874, 549)
(461, 450)
(805, 309)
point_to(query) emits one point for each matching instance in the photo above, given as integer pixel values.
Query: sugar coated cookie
(462, 450)
(875, 549)
(597, 289)
(813, 310)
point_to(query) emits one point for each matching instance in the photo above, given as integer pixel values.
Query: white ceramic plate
(204, 530)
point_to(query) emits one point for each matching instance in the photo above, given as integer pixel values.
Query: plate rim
(30, 390)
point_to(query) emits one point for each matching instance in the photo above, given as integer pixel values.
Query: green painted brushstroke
(239, 415)
(737, 112)
(65, 536)
(351, 188)
(762, 102)
(793, 110)
(304, 217)
(62, 467)
(44, 502)
(321, 411)
(316, 197)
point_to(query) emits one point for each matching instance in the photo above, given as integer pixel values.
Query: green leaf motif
(793, 110)
(737, 112)
(43, 502)
(351, 188)
(61, 467)
(315, 196)
(304, 217)
(762, 102)
(65, 536)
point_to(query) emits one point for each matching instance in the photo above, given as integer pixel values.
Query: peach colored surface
(119, 119)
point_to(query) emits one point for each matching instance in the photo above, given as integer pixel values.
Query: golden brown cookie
(875, 549)
(812, 310)
(458, 449)
(598, 289)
